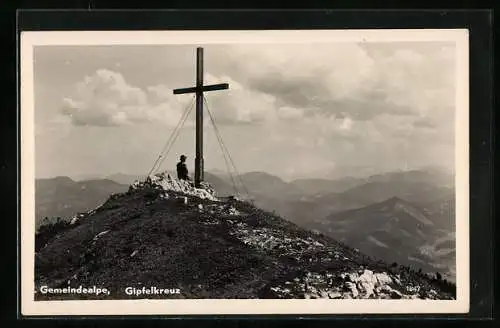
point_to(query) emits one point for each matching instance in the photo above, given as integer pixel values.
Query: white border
(228, 306)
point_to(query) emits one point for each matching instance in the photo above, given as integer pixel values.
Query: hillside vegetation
(168, 234)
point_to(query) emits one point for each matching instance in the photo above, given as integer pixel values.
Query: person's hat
(183, 157)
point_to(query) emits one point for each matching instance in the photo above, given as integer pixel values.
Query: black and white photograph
(244, 172)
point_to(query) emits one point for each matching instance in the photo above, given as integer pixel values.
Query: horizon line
(218, 172)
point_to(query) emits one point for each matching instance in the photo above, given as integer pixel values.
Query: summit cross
(198, 90)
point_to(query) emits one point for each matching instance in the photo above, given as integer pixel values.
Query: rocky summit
(164, 233)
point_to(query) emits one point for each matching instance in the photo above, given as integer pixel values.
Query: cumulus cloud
(346, 123)
(238, 104)
(290, 113)
(345, 81)
(350, 80)
(330, 106)
(425, 123)
(105, 98)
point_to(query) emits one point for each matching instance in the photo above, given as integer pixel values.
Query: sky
(322, 110)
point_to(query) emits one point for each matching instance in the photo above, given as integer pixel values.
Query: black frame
(479, 24)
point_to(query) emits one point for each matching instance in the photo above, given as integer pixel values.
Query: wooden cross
(199, 89)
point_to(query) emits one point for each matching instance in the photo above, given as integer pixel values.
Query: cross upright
(198, 90)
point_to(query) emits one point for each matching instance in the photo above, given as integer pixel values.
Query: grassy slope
(150, 241)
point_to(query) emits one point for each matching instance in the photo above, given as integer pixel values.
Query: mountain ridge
(300, 209)
(63, 197)
(395, 230)
(162, 234)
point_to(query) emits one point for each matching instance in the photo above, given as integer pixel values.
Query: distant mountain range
(63, 197)
(406, 217)
(396, 230)
(304, 200)
(170, 235)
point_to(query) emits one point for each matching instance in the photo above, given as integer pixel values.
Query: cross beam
(198, 90)
(212, 87)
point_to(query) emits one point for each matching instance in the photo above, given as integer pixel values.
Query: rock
(334, 295)
(100, 234)
(383, 278)
(353, 289)
(395, 294)
(163, 181)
